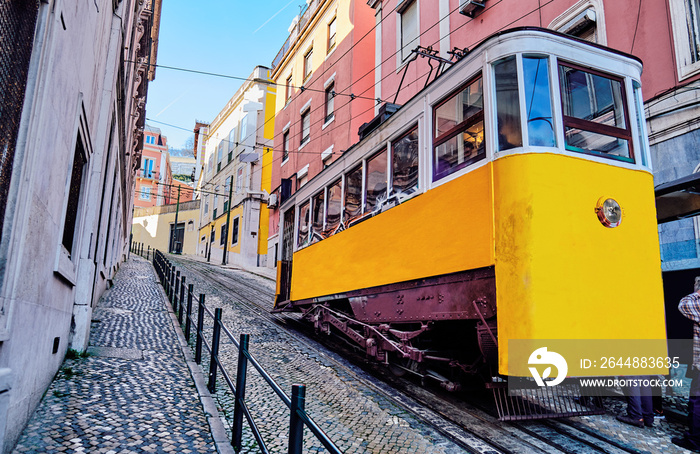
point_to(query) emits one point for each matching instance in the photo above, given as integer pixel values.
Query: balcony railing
(305, 15)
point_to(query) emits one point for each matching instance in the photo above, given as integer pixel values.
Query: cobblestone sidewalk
(134, 392)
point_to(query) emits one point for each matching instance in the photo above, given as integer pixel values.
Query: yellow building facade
(153, 227)
(235, 181)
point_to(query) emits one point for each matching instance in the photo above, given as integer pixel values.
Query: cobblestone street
(133, 393)
(135, 390)
(353, 414)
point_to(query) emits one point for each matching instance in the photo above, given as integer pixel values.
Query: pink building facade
(152, 176)
(325, 82)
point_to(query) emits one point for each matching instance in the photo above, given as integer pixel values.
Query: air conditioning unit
(470, 7)
(272, 201)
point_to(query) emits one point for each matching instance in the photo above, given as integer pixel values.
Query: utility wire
(351, 96)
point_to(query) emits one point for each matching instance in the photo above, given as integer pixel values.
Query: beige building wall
(151, 226)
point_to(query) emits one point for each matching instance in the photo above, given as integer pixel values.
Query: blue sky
(228, 37)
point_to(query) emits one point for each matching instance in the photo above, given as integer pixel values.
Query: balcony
(149, 175)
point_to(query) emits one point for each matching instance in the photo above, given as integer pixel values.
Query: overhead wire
(316, 77)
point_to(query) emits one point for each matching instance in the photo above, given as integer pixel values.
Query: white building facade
(70, 158)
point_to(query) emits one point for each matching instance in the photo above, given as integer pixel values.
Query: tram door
(285, 263)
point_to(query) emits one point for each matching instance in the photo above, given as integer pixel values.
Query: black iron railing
(141, 249)
(182, 299)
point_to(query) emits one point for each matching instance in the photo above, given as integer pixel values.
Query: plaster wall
(151, 226)
(46, 290)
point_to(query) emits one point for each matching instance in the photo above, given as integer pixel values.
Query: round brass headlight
(609, 212)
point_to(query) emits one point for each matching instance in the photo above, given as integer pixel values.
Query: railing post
(148, 253)
(214, 351)
(237, 427)
(176, 289)
(188, 322)
(182, 300)
(169, 277)
(166, 278)
(200, 329)
(296, 424)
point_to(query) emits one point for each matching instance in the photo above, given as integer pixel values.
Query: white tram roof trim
(418, 109)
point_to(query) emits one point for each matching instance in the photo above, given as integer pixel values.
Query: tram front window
(594, 113)
(507, 104)
(538, 104)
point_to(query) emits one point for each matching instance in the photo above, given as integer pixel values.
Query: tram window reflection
(540, 125)
(353, 194)
(317, 217)
(376, 182)
(507, 104)
(594, 113)
(333, 208)
(459, 131)
(303, 238)
(404, 160)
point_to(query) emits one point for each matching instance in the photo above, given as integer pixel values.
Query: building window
(239, 180)
(404, 164)
(145, 193)
(227, 188)
(685, 17)
(331, 34)
(224, 234)
(206, 204)
(459, 130)
(74, 190)
(408, 33)
(583, 20)
(330, 96)
(305, 127)
(147, 168)
(234, 231)
(150, 140)
(288, 90)
(594, 105)
(210, 165)
(285, 145)
(307, 63)
(232, 137)
(219, 155)
(244, 128)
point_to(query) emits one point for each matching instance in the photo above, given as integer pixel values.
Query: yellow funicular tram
(511, 198)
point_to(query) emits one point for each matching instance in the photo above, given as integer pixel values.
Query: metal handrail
(174, 285)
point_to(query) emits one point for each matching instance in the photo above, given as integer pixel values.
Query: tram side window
(540, 125)
(334, 206)
(303, 238)
(594, 113)
(353, 194)
(375, 193)
(459, 130)
(507, 104)
(317, 217)
(404, 160)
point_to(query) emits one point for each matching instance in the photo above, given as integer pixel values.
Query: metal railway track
(466, 420)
